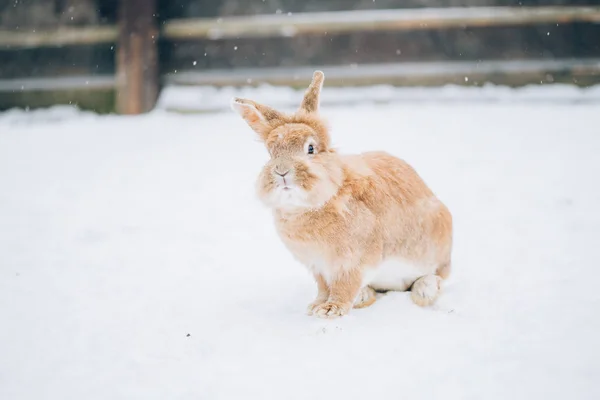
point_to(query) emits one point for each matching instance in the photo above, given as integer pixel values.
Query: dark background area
(497, 43)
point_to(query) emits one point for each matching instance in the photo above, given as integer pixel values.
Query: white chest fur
(320, 266)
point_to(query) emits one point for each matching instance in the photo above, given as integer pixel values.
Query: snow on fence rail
(136, 35)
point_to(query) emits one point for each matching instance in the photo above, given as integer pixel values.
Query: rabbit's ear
(262, 119)
(311, 96)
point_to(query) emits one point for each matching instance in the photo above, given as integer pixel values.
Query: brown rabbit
(360, 223)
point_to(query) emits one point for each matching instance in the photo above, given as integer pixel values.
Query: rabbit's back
(411, 221)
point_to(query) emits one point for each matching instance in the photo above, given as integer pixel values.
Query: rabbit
(361, 224)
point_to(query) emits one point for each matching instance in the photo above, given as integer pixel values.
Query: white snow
(210, 98)
(119, 236)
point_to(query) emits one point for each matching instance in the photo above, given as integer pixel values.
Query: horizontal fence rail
(405, 73)
(59, 37)
(58, 83)
(313, 23)
(373, 20)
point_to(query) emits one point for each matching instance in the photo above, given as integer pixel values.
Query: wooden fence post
(137, 58)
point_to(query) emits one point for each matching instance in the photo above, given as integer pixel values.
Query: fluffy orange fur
(360, 223)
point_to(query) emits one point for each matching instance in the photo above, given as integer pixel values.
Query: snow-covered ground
(136, 263)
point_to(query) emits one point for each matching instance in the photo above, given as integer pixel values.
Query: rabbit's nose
(282, 174)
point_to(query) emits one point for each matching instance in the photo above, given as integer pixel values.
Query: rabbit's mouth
(285, 181)
(286, 187)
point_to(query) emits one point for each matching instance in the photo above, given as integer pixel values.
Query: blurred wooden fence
(137, 80)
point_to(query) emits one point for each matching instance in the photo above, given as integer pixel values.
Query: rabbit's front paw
(310, 310)
(330, 310)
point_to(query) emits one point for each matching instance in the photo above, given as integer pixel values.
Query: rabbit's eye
(311, 149)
